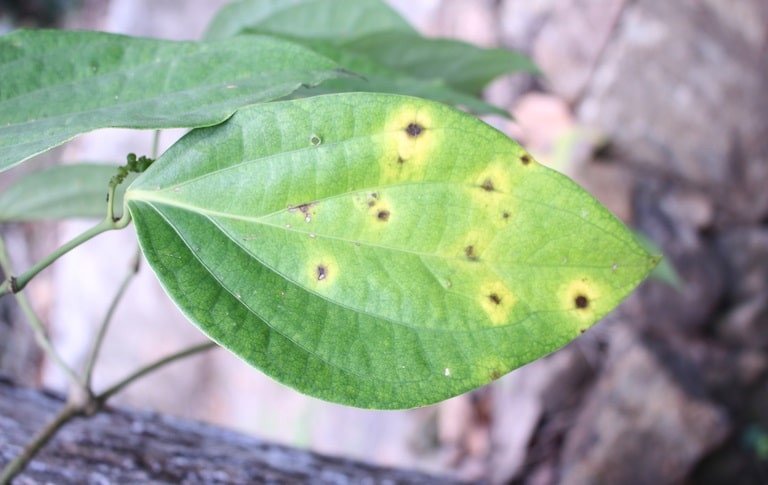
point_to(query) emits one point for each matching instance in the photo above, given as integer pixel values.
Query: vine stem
(37, 325)
(99, 339)
(14, 284)
(89, 406)
(41, 438)
(120, 385)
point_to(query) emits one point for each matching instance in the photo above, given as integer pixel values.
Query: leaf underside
(378, 250)
(55, 85)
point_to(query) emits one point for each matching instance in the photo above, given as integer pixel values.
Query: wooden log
(124, 446)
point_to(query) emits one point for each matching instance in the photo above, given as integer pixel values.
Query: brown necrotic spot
(581, 301)
(414, 129)
(525, 159)
(505, 215)
(470, 253)
(400, 160)
(495, 374)
(383, 215)
(495, 298)
(322, 272)
(488, 185)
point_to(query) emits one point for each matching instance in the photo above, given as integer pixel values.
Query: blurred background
(659, 108)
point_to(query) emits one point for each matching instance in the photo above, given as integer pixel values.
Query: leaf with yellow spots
(378, 250)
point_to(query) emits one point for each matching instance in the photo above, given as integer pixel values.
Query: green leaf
(55, 85)
(664, 271)
(460, 65)
(316, 19)
(381, 79)
(378, 250)
(59, 192)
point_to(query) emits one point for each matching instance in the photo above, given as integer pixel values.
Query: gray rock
(639, 425)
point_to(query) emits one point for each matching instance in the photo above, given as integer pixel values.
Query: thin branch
(119, 386)
(41, 439)
(99, 339)
(16, 284)
(37, 325)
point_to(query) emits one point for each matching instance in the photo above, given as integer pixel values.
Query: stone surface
(639, 425)
(683, 103)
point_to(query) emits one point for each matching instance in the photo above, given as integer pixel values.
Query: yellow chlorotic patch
(496, 178)
(322, 271)
(580, 297)
(497, 301)
(472, 246)
(408, 142)
(490, 368)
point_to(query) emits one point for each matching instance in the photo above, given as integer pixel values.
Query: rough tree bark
(121, 446)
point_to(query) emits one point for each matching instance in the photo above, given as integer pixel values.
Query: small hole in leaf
(315, 140)
(383, 215)
(414, 129)
(581, 301)
(495, 299)
(469, 252)
(488, 185)
(322, 272)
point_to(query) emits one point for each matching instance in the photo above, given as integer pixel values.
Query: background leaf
(458, 64)
(60, 192)
(332, 20)
(378, 250)
(389, 54)
(382, 79)
(55, 85)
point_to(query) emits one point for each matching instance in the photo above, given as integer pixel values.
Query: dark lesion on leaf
(400, 160)
(470, 253)
(525, 159)
(495, 298)
(383, 215)
(414, 129)
(495, 374)
(505, 215)
(322, 272)
(488, 186)
(581, 302)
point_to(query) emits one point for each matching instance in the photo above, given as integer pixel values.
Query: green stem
(37, 325)
(98, 341)
(119, 386)
(41, 439)
(16, 284)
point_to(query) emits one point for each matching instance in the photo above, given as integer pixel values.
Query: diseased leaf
(60, 192)
(316, 19)
(378, 250)
(55, 85)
